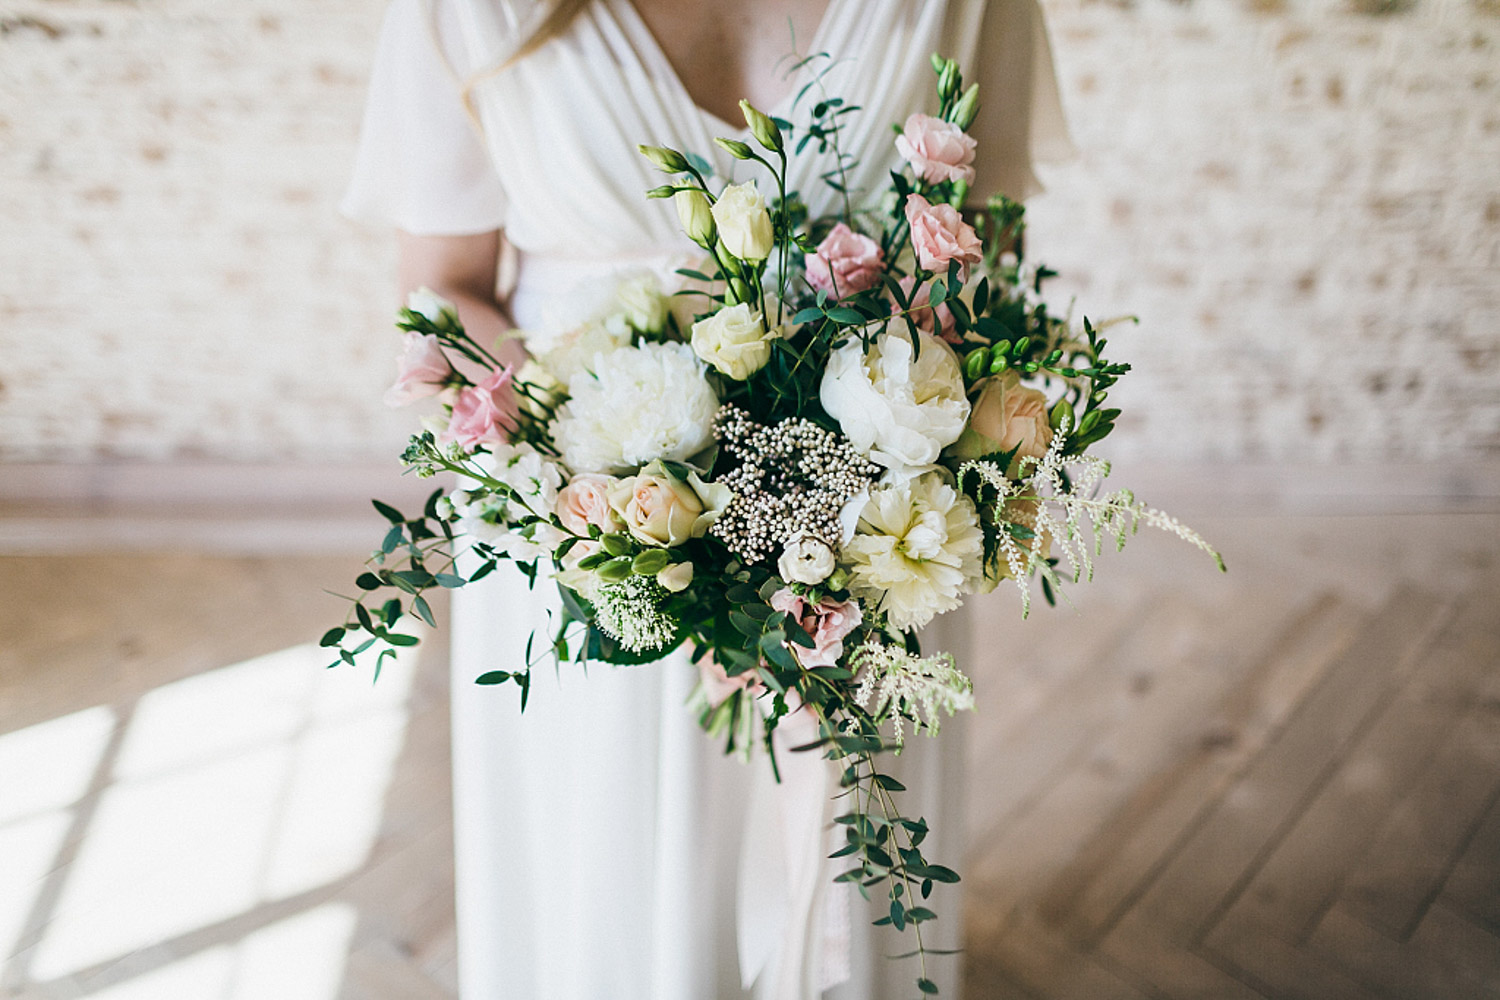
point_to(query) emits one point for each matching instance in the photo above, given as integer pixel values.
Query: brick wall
(1301, 198)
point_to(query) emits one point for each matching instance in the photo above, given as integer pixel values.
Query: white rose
(744, 224)
(647, 402)
(642, 303)
(806, 558)
(899, 410)
(734, 340)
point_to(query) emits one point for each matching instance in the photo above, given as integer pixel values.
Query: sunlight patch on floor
(230, 789)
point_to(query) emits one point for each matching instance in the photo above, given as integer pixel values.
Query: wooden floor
(1284, 782)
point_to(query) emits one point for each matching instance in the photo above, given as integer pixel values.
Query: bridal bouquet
(820, 437)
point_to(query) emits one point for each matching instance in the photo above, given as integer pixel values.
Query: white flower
(734, 340)
(644, 403)
(642, 303)
(676, 577)
(744, 224)
(899, 410)
(569, 353)
(528, 472)
(917, 551)
(806, 558)
(918, 688)
(430, 304)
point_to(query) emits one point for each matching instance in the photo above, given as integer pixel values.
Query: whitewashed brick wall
(1301, 198)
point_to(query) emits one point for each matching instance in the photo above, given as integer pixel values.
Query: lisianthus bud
(735, 148)
(744, 224)
(762, 127)
(668, 161)
(696, 216)
(967, 107)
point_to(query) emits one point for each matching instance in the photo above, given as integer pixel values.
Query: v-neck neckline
(780, 109)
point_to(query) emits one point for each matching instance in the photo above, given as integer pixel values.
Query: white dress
(601, 838)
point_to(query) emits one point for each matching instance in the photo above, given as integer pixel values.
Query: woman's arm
(463, 270)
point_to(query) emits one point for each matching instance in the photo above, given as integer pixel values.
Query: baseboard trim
(256, 509)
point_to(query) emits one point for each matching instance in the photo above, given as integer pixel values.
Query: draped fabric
(606, 850)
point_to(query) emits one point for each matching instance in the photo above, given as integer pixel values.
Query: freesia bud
(696, 216)
(762, 127)
(667, 160)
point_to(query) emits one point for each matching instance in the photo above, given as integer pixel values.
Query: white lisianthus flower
(430, 304)
(734, 340)
(642, 303)
(899, 410)
(644, 403)
(744, 224)
(917, 551)
(806, 558)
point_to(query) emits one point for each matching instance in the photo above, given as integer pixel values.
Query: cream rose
(734, 340)
(806, 558)
(1006, 415)
(744, 224)
(660, 509)
(900, 410)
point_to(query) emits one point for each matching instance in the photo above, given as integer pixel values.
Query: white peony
(917, 550)
(898, 410)
(734, 340)
(644, 403)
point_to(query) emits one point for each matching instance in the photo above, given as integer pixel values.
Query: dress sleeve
(1020, 121)
(421, 165)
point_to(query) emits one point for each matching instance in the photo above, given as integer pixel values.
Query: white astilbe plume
(918, 688)
(1065, 512)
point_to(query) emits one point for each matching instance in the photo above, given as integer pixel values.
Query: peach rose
(845, 263)
(939, 234)
(660, 509)
(422, 369)
(923, 317)
(484, 413)
(585, 501)
(1006, 415)
(937, 150)
(828, 622)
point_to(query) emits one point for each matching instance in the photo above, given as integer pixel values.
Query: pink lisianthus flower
(937, 150)
(939, 234)
(422, 370)
(828, 622)
(484, 413)
(845, 263)
(923, 317)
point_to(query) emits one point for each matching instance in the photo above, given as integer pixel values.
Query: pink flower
(828, 622)
(718, 685)
(421, 369)
(484, 413)
(846, 262)
(937, 150)
(923, 316)
(939, 234)
(585, 501)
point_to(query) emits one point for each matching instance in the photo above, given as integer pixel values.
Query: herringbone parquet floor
(1280, 783)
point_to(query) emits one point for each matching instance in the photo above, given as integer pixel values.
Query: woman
(600, 837)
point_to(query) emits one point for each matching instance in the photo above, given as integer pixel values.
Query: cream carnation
(643, 403)
(917, 550)
(899, 410)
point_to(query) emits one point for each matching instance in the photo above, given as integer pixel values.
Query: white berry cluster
(793, 478)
